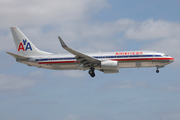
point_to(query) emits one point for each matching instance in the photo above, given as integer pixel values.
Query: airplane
(106, 62)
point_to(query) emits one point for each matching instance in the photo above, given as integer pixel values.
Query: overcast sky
(28, 93)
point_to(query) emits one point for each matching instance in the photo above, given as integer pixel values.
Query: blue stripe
(97, 57)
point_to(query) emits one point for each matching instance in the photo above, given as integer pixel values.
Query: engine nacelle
(109, 65)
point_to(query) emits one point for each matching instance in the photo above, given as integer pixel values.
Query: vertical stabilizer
(24, 46)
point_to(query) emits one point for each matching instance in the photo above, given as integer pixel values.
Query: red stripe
(143, 59)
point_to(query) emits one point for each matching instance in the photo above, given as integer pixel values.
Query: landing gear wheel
(157, 71)
(91, 72)
(93, 75)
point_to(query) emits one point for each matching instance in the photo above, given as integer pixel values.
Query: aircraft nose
(171, 59)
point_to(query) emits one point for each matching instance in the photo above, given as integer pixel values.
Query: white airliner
(107, 62)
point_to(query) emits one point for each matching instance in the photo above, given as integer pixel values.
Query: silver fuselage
(126, 59)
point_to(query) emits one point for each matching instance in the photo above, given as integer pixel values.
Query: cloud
(150, 29)
(36, 73)
(90, 36)
(87, 117)
(69, 73)
(129, 84)
(125, 85)
(6, 60)
(72, 117)
(172, 86)
(44, 12)
(14, 84)
(41, 20)
(42, 102)
(173, 114)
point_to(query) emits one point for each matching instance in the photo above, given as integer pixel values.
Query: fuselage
(125, 59)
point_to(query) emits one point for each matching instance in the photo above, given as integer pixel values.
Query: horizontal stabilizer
(17, 56)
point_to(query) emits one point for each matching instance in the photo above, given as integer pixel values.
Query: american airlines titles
(129, 53)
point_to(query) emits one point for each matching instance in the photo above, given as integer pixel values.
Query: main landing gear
(157, 71)
(91, 72)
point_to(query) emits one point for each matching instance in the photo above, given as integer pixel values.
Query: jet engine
(109, 65)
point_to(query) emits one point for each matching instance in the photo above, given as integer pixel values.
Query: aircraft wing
(82, 58)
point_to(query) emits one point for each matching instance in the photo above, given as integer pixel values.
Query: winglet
(62, 42)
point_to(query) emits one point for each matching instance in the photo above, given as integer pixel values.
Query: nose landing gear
(91, 72)
(157, 71)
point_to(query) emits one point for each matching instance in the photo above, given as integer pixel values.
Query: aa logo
(24, 45)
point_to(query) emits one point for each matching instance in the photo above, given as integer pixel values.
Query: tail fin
(24, 46)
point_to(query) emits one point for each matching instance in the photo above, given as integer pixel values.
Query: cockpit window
(166, 55)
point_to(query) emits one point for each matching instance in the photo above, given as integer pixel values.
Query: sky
(28, 93)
